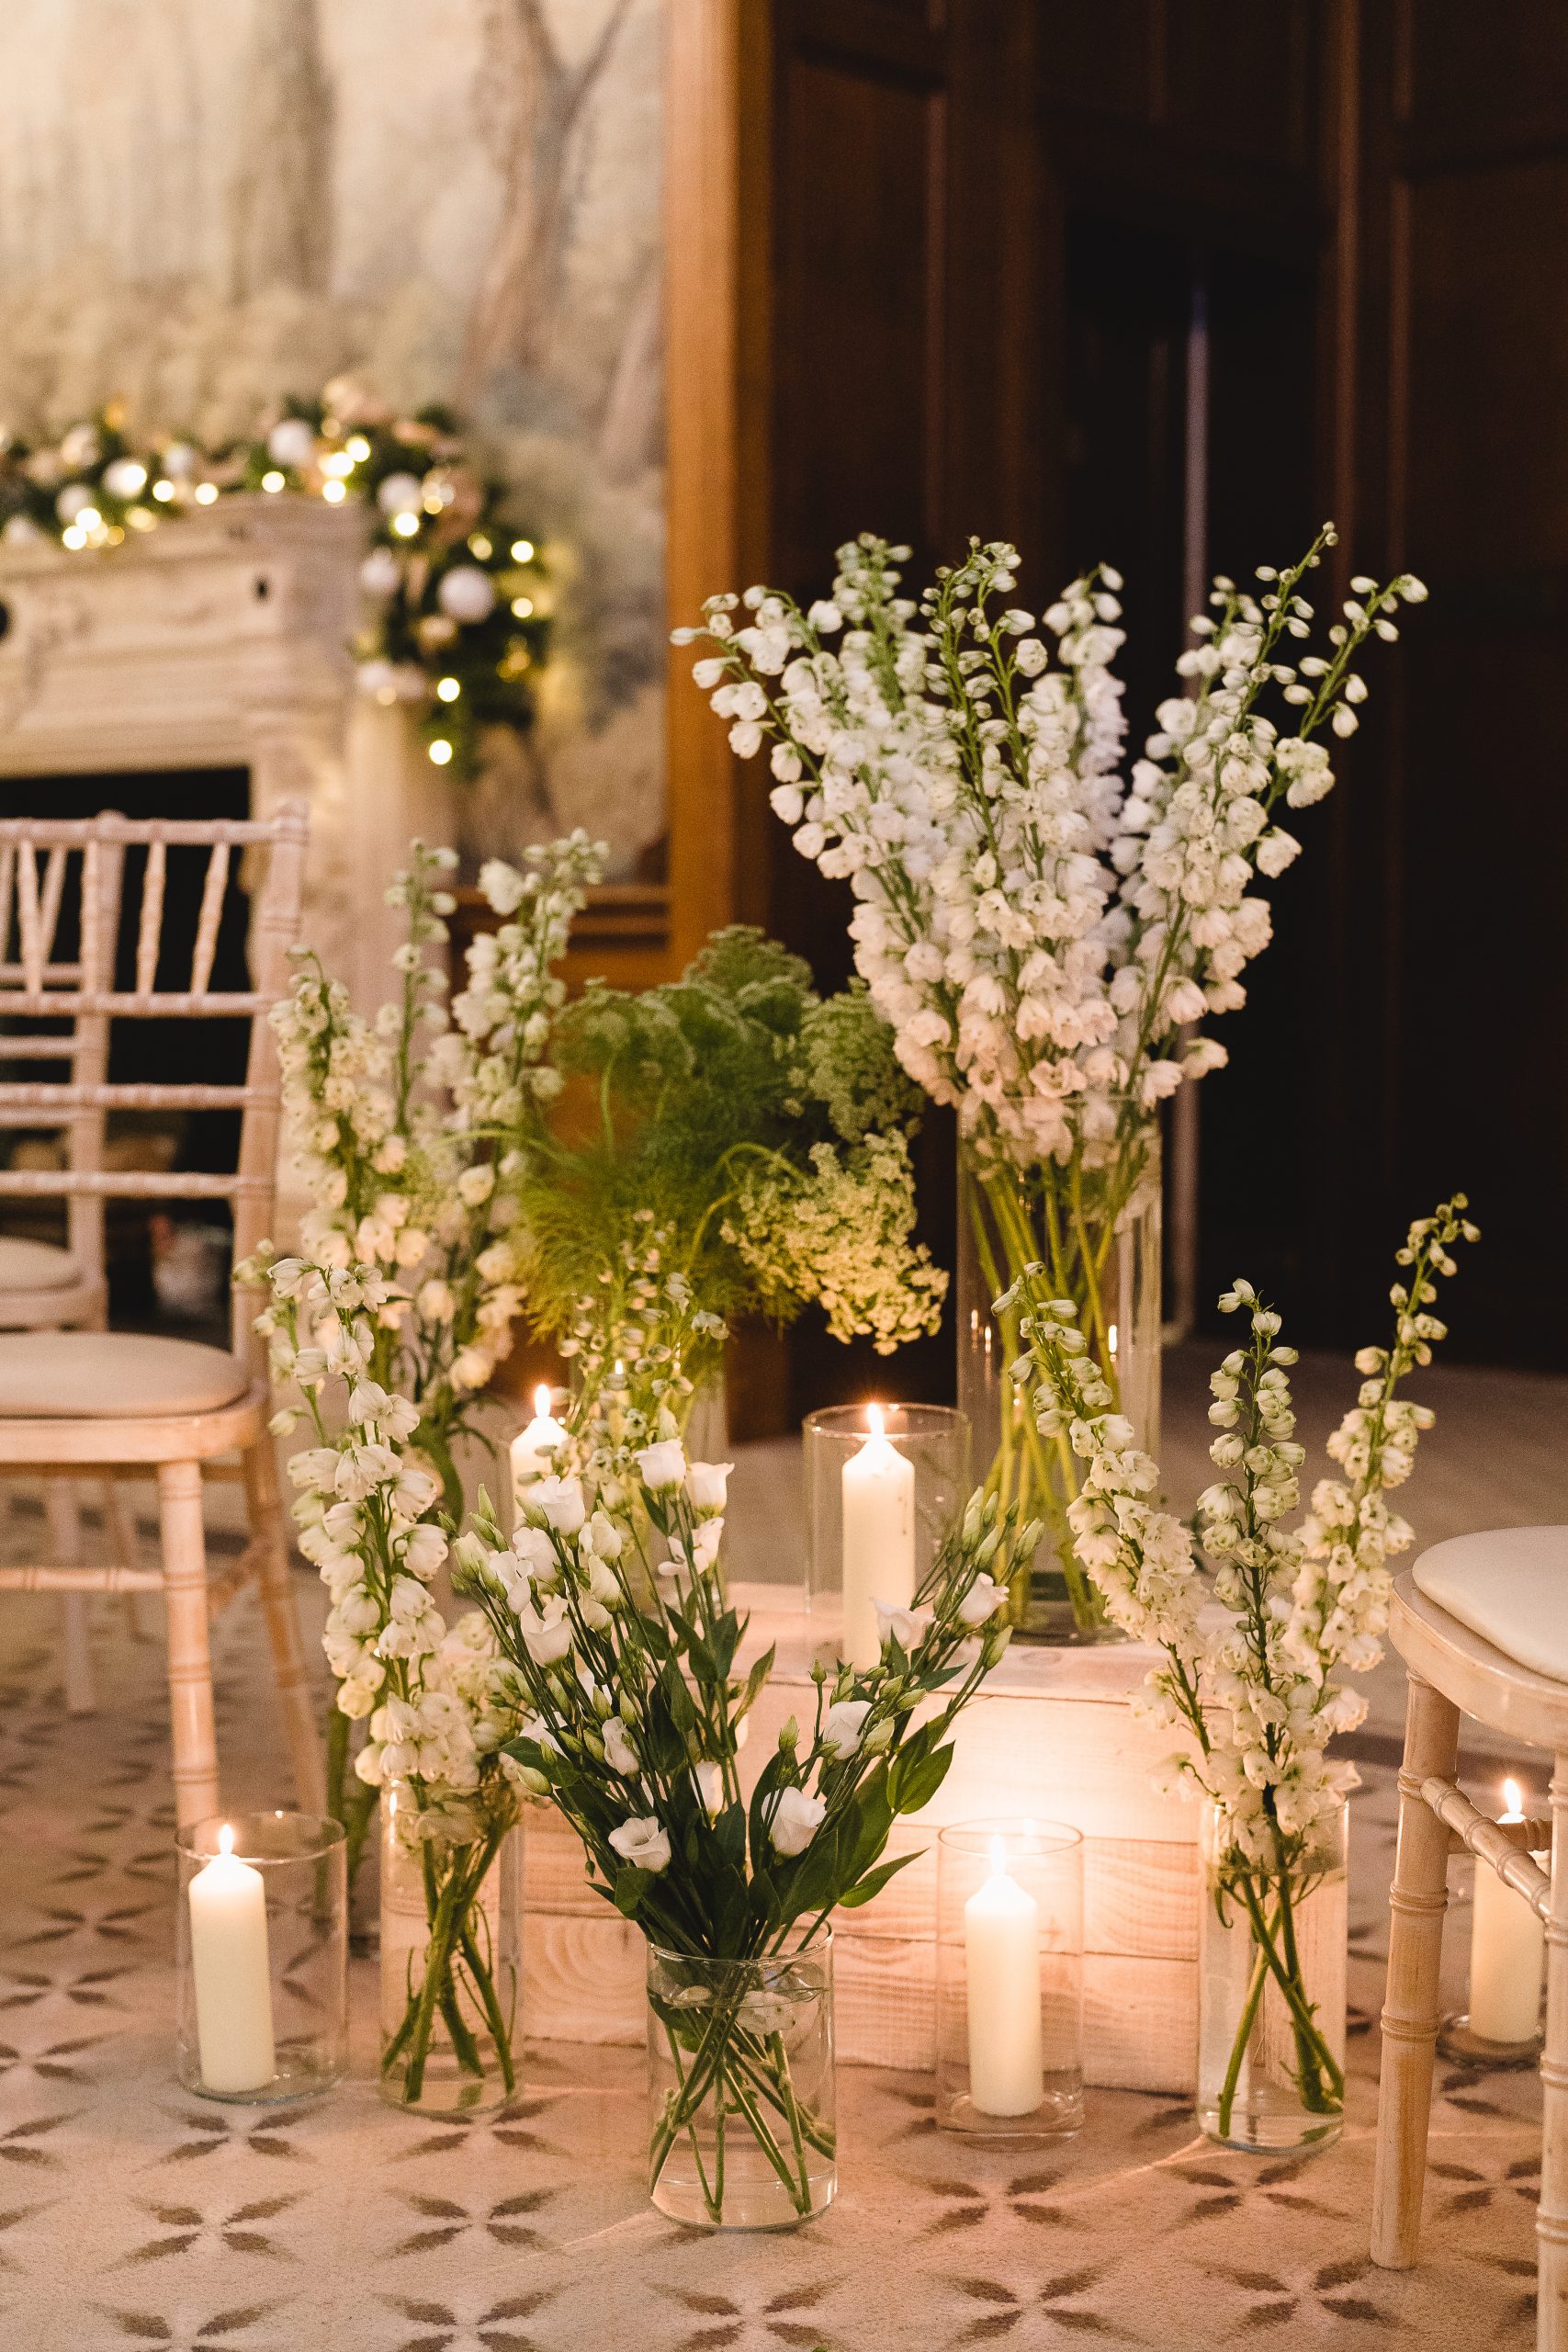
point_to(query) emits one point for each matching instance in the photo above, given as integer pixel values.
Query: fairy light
(448, 689)
(72, 537)
(337, 462)
(163, 490)
(521, 607)
(206, 493)
(405, 526)
(521, 550)
(441, 750)
(358, 448)
(333, 492)
(479, 545)
(89, 519)
(273, 480)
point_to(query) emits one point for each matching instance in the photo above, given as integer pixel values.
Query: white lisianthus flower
(708, 1483)
(793, 1819)
(843, 1726)
(662, 1467)
(642, 1842)
(905, 1626)
(708, 1779)
(559, 1502)
(546, 1630)
(981, 1601)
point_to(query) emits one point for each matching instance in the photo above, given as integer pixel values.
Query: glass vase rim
(320, 1836)
(795, 1947)
(921, 1420)
(1039, 1840)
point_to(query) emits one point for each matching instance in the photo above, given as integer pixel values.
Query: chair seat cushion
(1510, 1586)
(119, 1375)
(35, 1265)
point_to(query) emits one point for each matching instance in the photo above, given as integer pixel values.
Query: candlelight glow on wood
(879, 1538)
(1507, 1950)
(230, 1973)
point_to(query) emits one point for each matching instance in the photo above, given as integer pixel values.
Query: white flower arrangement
(1036, 930)
(1044, 935)
(436, 1701)
(1251, 1653)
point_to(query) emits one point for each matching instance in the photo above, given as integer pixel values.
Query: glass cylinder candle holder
(1009, 1979)
(261, 1956)
(884, 1486)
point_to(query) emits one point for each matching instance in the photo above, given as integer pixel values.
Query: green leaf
(874, 1881)
(920, 1784)
(632, 1883)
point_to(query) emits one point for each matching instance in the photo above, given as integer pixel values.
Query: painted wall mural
(208, 204)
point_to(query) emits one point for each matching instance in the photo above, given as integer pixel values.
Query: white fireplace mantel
(221, 638)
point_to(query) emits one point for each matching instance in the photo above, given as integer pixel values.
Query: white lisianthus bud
(981, 1601)
(662, 1467)
(843, 1726)
(793, 1819)
(706, 1482)
(905, 1626)
(619, 1753)
(558, 1502)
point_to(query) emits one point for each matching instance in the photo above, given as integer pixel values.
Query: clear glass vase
(1271, 1990)
(451, 1946)
(1092, 1223)
(741, 2086)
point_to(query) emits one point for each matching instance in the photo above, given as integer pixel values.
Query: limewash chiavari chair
(46, 1286)
(76, 1402)
(1481, 1626)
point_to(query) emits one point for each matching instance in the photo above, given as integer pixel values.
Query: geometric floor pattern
(134, 2215)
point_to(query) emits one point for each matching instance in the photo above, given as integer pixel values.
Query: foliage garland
(455, 620)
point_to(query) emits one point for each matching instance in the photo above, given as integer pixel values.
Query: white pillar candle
(533, 1448)
(1002, 1947)
(230, 1973)
(1507, 1950)
(879, 1538)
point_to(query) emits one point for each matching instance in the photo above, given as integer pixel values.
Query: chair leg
(1551, 2215)
(299, 1723)
(190, 1659)
(120, 1523)
(1417, 1901)
(65, 1542)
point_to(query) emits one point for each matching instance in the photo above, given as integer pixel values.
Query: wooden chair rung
(113, 1579)
(1489, 1841)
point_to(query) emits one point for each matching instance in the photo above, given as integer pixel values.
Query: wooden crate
(1052, 1739)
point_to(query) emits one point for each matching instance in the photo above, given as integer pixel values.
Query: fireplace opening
(167, 1265)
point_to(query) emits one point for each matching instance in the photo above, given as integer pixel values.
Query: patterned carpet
(132, 2214)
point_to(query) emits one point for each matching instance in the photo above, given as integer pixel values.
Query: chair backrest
(38, 898)
(38, 984)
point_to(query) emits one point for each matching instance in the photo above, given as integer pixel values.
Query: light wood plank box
(1051, 1738)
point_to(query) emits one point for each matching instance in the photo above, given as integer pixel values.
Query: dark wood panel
(1238, 78)
(1488, 369)
(1475, 79)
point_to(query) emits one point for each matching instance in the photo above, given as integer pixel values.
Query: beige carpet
(132, 2214)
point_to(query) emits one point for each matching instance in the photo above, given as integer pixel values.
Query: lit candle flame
(225, 1839)
(998, 1857)
(1514, 1798)
(874, 1420)
(542, 1403)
